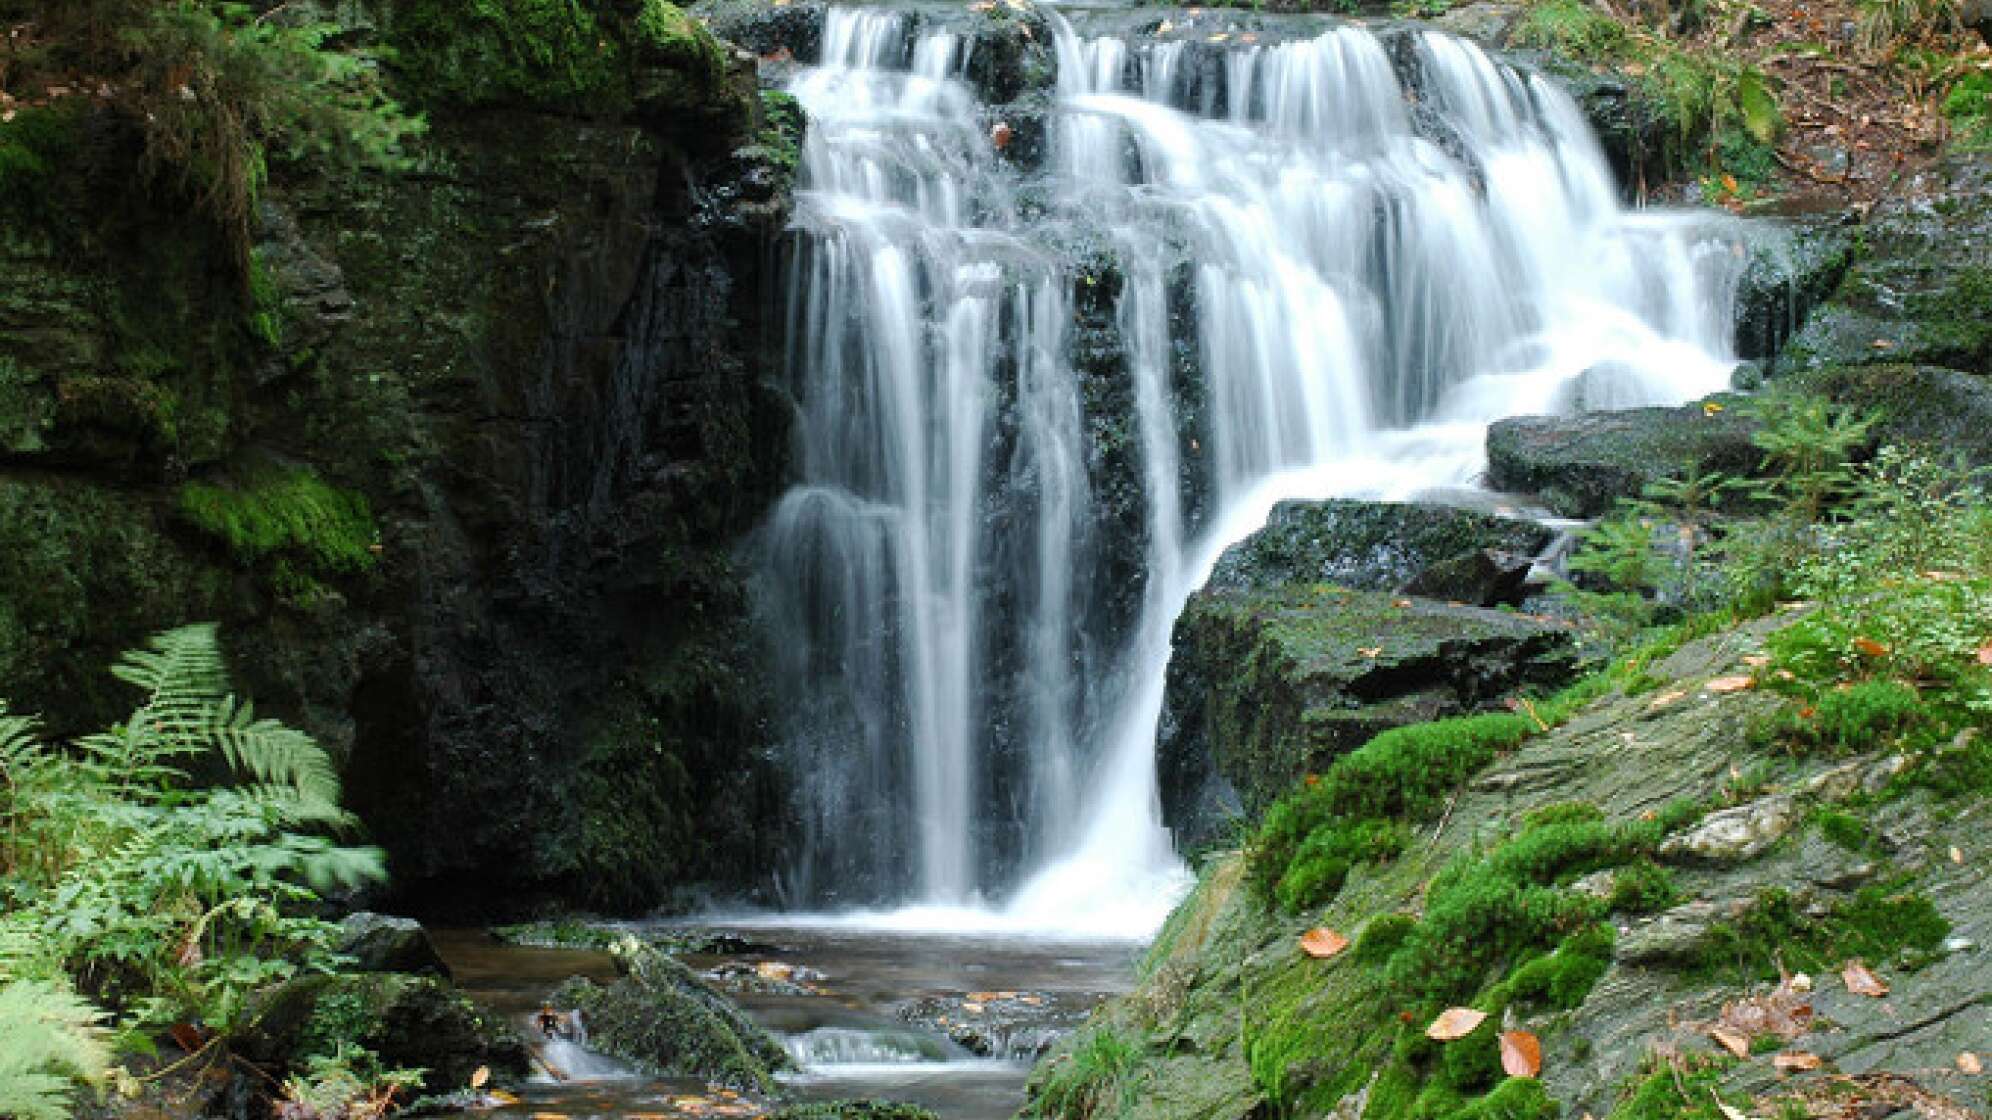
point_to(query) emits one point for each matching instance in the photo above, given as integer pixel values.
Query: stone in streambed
(1581, 465)
(409, 1022)
(382, 943)
(663, 1019)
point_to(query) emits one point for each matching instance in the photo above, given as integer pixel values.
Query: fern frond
(54, 1042)
(271, 754)
(183, 676)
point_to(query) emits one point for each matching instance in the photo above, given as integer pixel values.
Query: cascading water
(1336, 261)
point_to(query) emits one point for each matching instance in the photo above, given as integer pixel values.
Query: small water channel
(950, 1021)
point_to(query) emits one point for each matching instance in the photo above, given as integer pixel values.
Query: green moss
(288, 515)
(1571, 28)
(1401, 774)
(572, 55)
(1668, 1092)
(1094, 1077)
(1878, 925)
(34, 148)
(1383, 936)
(1642, 887)
(1845, 830)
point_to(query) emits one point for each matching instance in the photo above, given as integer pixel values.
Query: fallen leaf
(1796, 1061)
(1968, 1062)
(1371, 652)
(1862, 982)
(1400, 604)
(479, 1076)
(1666, 698)
(188, 1036)
(1322, 943)
(549, 1116)
(1956, 854)
(500, 1096)
(1800, 982)
(972, 1007)
(1732, 1041)
(1454, 1023)
(1868, 647)
(1001, 135)
(1521, 1053)
(1711, 408)
(1730, 684)
(1985, 654)
(1756, 660)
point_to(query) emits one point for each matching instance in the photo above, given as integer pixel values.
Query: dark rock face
(410, 1022)
(1792, 267)
(1919, 288)
(1429, 550)
(662, 1018)
(1013, 1026)
(379, 943)
(538, 364)
(1580, 465)
(1273, 682)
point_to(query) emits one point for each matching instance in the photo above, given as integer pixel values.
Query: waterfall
(1330, 265)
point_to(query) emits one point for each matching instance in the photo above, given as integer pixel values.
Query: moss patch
(286, 514)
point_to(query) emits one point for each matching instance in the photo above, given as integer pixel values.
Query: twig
(1447, 815)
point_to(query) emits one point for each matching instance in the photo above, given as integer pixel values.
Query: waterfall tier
(1039, 390)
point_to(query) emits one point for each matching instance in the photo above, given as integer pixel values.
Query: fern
(174, 900)
(53, 1042)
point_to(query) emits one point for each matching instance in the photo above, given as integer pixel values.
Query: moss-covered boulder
(1792, 266)
(1580, 465)
(1435, 551)
(409, 1022)
(1919, 287)
(384, 943)
(1272, 683)
(663, 1019)
(1941, 412)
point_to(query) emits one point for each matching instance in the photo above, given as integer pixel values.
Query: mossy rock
(1387, 546)
(1268, 685)
(663, 1019)
(409, 1022)
(1581, 465)
(1792, 266)
(1944, 413)
(1919, 290)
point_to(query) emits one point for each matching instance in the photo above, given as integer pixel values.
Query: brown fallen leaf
(1667, 698)
(1756, 660)
(1521, 1053)
(479, 1076)
(1733, 1041)
(1730, 684)
(1796, 1061)
(1371, 652)
(1968, 1062)
(1956, 854)
(1001, 135)
(1455, 1023)
(1985, 654)
(1862, 982)
(1868, 647)
(1322, 943)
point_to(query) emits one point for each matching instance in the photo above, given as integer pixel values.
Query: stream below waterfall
(950, 1021)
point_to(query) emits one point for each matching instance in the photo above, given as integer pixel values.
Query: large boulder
(382, 943)
(1792, 265)
(663, 1019)
(409, 1022)
(1272, 683)
(1580, 465)
(1437, 551)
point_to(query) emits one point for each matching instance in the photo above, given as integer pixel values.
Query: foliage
(217, 90)
(1969, 107)
(169, 897)
(1777, 934)
(52, 1044)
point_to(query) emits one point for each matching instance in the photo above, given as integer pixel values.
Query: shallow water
(839, 1012)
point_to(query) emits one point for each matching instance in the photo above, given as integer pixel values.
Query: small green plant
(347, 1084)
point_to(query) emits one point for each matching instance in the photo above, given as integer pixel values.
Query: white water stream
(1375, 273)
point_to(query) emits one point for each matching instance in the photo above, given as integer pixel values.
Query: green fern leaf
(53, 1043)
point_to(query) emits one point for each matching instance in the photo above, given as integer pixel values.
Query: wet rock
(1919, 286)
(852, 1110)
(1580, 465)
(1675, 936)
(410, 1022)
(380, 943)
(662, 1018)
(1734, 835)
(1014, 1026)
(1435, 551)
(1270, 683)
(767, 29)
(1792, 266)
